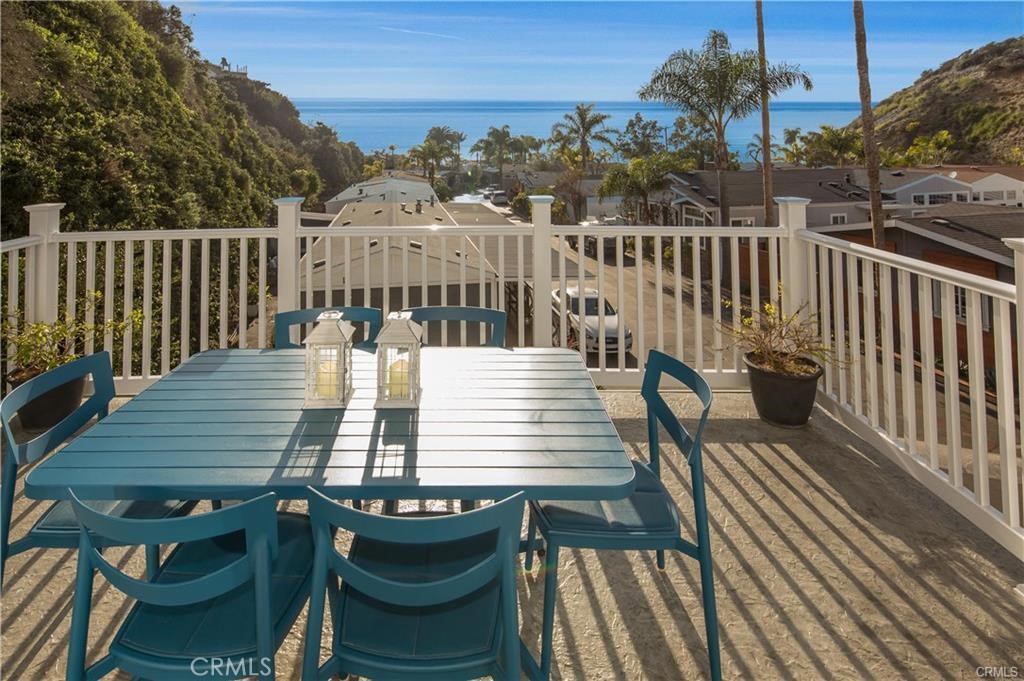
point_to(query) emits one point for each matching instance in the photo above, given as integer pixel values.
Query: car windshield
(574, 305)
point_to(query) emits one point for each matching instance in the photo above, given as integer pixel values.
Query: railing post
(288, 209)
(541, 211)
(792, 219)
(42, 272)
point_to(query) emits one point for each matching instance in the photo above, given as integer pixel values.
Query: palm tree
(766, 131)
(495, 147)
(458, 138)
(793, 151)
(637, 180)
(839, 143)
(756, 147)
(867, 122)
(581, 128)
(720, 85)
(391, 148)
(433, 154)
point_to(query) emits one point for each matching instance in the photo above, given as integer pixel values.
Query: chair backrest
(98, 404)
(504, 518)
(658, 411)
(257, 518)
(496, 319)
(283, 321)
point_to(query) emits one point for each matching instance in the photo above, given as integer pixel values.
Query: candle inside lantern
(327, 373)
(398, 379)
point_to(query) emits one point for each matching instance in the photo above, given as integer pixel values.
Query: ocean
(377, 123)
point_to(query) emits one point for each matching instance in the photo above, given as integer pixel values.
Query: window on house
(960, 305)
(741, 222)
(919, 199)
(934, 199)
(838, 218)
(976, 196)
(961, 197)
(1011, 194)
(993, 195)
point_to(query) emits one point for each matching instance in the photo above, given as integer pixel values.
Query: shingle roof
(822, 185)
(977, 172)
(982, 227)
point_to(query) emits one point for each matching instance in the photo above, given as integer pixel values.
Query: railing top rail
(418, 231)
(23, 242)
(983, 285)
(173, 234)
(612, 231)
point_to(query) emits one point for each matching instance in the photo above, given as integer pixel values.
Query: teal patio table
(229, 424)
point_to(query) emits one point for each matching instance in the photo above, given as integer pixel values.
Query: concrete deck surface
(830, 563)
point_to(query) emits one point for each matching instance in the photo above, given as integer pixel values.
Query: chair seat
(223, 626)
(457, 630)
(58, 523)
(649, 509)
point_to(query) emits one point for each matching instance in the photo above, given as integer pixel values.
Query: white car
(612, 320)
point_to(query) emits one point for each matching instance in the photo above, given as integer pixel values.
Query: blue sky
(572, 50)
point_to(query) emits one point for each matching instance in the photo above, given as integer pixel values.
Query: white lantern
(398, 362)
(329, 362)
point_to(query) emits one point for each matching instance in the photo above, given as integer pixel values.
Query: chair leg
(10, 472)
(548, 627)
(531, 532)
(152, 561)
(390, 507)
(660, 555)
(707, 588)
(315, 619)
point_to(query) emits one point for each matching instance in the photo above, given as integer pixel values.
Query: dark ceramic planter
(52, 407)
(780, 399)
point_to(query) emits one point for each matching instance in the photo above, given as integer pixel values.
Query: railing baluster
(755, 275)
(222, 312)
(736, 302)
(926, 334)
(773, 270)
(329, 271)
(71, 283)
(825, 318)
(839, 316)
(348, 269)
(385, 256)
(563, 314)
(90, 286)
(500, 293)
(716, 300)
(367, 297)
(520, 284)
(243, 292)
(310, 288)
(443, 263)
(602, 341)
(186, 302)
(698, 308)
(147, 307)
(204, 295)
(405, 272)
(481, 284)
(907, 370)
(463, 257)
(677, 291)
(262, 293)
(581, 296)
(976, 377)
(951, 385)
(424, 291)
(870, 340)
(14, 301)
(165, 309)
(108, 295)
(620, 295)
(658, 287)
(1009, 493)
(888, 356)
(853, 312)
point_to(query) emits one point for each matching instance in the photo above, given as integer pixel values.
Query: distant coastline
(377, 123)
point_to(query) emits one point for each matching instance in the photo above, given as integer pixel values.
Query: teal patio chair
(646, 520)
(219, 606)
(495, 319)
(57, 528)
(283, 321)
(426, 598)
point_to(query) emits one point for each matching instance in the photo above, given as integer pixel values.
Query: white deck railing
(890, 318)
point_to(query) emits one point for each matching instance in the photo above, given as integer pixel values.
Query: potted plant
(37, 347)
(783, 356)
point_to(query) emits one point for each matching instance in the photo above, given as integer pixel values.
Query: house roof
(978, 227)
(974, 173)
(821, 185)
(396, 187)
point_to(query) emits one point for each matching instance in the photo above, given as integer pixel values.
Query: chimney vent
(419, 206)
(403, 206)
(431, 200)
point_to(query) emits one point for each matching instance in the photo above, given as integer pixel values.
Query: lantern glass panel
(327, 378)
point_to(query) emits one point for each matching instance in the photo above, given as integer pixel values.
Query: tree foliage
(108, 108)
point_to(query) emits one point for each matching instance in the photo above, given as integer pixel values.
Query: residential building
(992, 185)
